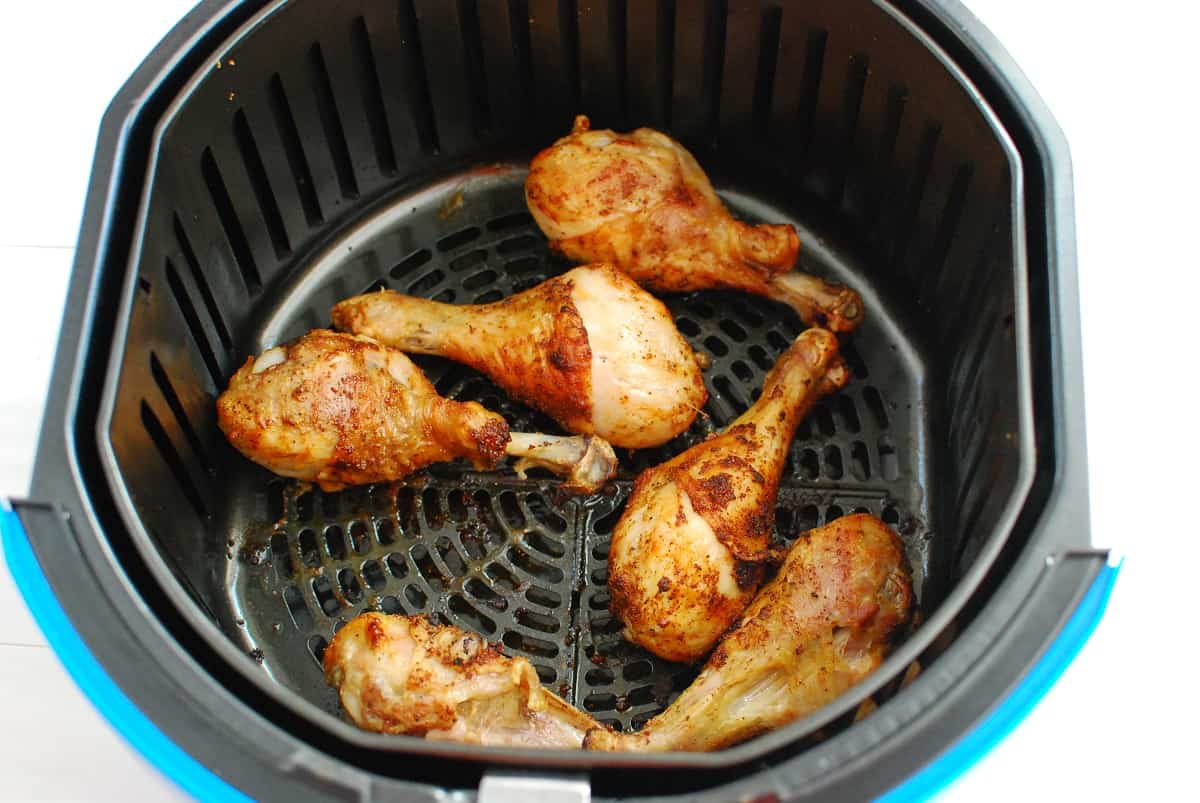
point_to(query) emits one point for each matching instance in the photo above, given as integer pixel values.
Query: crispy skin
(543, 359)
(405, 675)
(819, 627)
(341, 410)
(687, 554)
(590, 348)
(641, 202)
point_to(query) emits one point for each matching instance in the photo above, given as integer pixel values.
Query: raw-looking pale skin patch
(645, 379)
(269, 359)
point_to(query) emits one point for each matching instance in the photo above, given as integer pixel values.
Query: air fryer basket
(273, 159)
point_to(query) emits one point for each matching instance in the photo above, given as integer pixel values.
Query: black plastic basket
(270, 159)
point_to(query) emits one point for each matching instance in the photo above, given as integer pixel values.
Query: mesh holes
(502, 558)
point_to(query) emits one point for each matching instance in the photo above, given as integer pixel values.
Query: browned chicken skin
(687, 554)
(819, 627)
(822, 625)
(338, 410)
(641, 202)
(590, 348)
(405, 675)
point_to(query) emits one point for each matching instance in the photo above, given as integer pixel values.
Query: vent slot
(331, 123)
(856, 82)
(373, 574)
(468, 260)
(518, 220)
(568, 29)
(458, 239)
(897, 99)
(261, 185)
(471, 618)
(181, 416)
(360, 541)
(335, 543)
(714, 63)
(858, 366)
(411, 262)
(617, 44)
(281, 556)
(307, 539)
(472, 43)
(316, 648)
(875, 404)
(210, 303)
(372, 96)
(764, 85)
(192, 320)
(889, 461)
(397, 565)
(234, 232)
(327, 600)
(833, 462)
(518, 23)
(528, 644)
(418, 88)
(810, 88)
(293, 150)
(665, 64)
(162, 442)
(924, 165)
(351, 587)
(948, 225)
(848, 413)
(301, 617)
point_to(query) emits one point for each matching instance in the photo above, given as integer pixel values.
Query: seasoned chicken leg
(821, 626)
(590, 348)
(341, 410)
(405, 675)
(687, 554)
(641, 202)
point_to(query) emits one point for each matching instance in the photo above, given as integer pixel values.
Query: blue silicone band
(196, 779)
(964, 754)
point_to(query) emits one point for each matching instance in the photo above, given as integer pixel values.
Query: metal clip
(520, 788)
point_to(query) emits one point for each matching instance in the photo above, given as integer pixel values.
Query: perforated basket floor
(513, 559)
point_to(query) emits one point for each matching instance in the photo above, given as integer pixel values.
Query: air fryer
(270, 159)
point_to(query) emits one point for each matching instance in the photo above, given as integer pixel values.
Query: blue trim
(196, 779)
(1013, 709)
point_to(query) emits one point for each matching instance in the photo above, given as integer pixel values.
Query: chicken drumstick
(341, 410)
(405, 675)
(687, 554)
(641, 202)
(590, 348)
(821, 626)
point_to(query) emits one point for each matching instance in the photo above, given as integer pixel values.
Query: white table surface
(1121, 721)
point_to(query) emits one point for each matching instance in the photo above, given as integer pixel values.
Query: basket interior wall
(398, 128)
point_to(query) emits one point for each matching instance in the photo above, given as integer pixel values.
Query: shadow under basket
(271, 159)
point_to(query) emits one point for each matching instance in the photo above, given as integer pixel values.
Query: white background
(1121, 80)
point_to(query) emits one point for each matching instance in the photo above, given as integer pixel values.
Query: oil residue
(254, 548)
